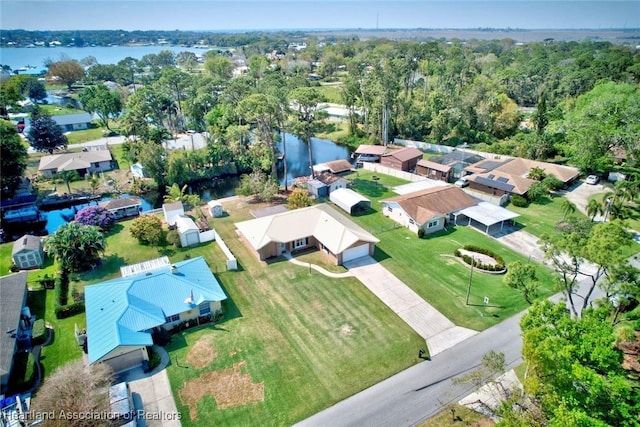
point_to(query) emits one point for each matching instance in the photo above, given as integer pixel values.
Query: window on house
(173, 318)
(300, 243)
(389, 209)
(205, 308)
(411, 221)
(432, 224)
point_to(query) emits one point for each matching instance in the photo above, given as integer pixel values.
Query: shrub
(64, 311)
(161, 336)
(96, 215)
(154, 358)
(421, 232)
(299, 198)
(488, 267)
(173, 238)
(147, 229)
(38, 332)
(518, 201)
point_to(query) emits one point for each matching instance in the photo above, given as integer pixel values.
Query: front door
(283, 248)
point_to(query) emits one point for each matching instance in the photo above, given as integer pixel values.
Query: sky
(239, 15)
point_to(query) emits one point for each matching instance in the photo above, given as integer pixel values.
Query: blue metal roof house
(122, 313)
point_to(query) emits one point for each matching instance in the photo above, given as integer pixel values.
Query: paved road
(423, 390)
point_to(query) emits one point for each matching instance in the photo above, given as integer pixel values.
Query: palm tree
(594, 208)
(568, 208)
(177, 194)
(67, 177)
(76, 246)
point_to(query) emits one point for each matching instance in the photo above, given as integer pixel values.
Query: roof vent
(174, 269)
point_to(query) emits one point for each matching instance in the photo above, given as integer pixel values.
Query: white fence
(207, 236)
(377, 168)
(232, 262)
(496, 200)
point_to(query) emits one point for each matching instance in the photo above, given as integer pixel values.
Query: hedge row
(39, 332)
(487, 267)
(485, 251)
(64, 311)
(62, 286)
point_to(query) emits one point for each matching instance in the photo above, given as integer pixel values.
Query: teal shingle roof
(120, 312)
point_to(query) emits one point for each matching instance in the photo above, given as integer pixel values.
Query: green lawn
(78, 136)
(541, 217)
(429, 267)
(58, 110)
(332, 92)
(310, 340)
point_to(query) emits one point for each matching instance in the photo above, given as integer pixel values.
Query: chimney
(174, 269)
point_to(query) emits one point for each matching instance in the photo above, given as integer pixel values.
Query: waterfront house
(84, 162)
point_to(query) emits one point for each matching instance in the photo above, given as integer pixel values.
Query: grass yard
(295, 342)
(541, 217)
(332, 92)
(458, 416)
(429, 267)
(78, 136)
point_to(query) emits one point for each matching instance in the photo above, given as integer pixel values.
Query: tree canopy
(44, 134)
(574, 368)
(13, 158)
(76, 246)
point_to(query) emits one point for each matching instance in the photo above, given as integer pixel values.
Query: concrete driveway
(438, 331)
(579, 195)
(152, 396)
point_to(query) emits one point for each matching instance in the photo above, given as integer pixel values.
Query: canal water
(297, 159)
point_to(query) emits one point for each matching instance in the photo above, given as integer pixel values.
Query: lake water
(21, 56)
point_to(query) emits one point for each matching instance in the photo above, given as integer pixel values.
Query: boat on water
(52, 202)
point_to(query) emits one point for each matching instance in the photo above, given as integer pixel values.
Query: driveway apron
(438, 331)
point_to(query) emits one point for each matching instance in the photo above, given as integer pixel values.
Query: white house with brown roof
(511, 176)
(124, 207)
(429, 209)
(319, 226)
(83, 162)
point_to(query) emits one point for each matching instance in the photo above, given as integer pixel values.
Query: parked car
(461, 183)
(121, 405)
(592, 179)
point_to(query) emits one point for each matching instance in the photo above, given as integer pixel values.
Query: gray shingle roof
(12, 295)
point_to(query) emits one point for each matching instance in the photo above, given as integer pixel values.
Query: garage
(355, 252)
(127, 360)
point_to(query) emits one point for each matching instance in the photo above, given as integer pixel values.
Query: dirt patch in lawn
(229, 387)
(201, 354)
(346, 330)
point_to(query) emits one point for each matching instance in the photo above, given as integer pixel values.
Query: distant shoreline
(629, 36)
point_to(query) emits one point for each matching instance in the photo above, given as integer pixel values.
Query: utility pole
(473, 261)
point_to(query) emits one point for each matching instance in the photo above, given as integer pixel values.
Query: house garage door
(356, 252)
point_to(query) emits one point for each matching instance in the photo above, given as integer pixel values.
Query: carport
(349, 201)
(485, 216)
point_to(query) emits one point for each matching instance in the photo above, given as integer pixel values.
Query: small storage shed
(433, 170)
(172, 211)
(215, 208)
(188, 231)
(27, 252)
(349, 201)
(317, 189)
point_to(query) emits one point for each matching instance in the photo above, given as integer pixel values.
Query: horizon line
(227, 30)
